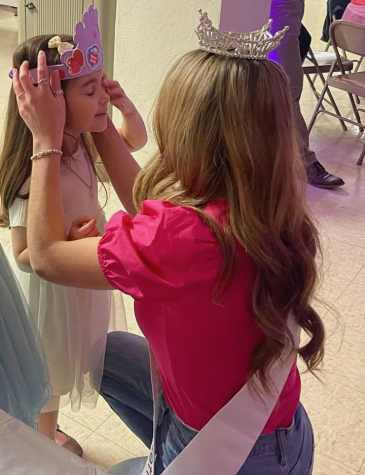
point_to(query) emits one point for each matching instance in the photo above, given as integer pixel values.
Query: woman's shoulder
(158, 252)
(166, 219)
(166, 213)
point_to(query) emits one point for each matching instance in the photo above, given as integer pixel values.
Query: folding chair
(319, 63)
(328, 45)
(351, 38)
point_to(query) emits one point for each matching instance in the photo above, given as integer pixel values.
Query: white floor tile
(351, 306)
(90, 418)
(360, 277)
(73, 428)
(337, 412)
(326, 466)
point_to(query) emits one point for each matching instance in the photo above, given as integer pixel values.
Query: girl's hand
(83, 227)
(42, 111)
(133, 131)
(118, 97)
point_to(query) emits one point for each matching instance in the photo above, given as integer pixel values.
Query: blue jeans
(126, 386)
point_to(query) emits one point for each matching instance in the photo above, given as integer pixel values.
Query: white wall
(10, 3)
(150, 35)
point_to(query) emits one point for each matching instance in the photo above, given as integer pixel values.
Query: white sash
(224, 444)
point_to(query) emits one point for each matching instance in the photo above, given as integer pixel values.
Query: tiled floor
(336, 404)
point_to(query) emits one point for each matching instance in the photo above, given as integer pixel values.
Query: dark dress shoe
(318, 176)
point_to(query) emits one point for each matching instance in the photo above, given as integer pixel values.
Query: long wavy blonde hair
(224, 130)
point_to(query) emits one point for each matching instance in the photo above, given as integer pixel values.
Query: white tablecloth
(23, 451)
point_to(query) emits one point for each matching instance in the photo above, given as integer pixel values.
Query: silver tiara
(253, 45)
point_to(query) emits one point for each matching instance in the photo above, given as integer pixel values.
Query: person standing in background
(290, 13)
(335, 10)
(305, 41)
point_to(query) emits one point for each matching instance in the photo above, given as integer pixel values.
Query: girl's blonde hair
(15, 165)
(224, 129)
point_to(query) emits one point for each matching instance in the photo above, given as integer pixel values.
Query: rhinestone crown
(253, 45)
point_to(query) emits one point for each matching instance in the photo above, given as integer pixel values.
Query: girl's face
(86, 103)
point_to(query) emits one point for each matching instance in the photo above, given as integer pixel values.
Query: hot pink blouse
(168, 260)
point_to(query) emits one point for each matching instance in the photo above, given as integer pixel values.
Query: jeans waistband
(265, 443)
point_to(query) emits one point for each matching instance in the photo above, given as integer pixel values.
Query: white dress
(73, 323)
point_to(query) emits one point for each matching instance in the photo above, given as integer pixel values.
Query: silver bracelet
(53, 151)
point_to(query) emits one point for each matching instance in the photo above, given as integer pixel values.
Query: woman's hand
(118, 97)
(83, 227)
(42, 110)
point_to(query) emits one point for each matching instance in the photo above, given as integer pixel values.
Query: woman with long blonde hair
(218, 253)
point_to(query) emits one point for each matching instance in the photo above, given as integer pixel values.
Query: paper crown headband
(87, 57)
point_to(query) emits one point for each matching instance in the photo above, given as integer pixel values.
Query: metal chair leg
(334, 105)
(358, 65)
(362, 156)
(329, 44)
(317, 109)
(314, 90)
(357, 99)
(356, 112)
(332, 101)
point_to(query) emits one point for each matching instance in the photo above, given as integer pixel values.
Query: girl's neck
(70, 143)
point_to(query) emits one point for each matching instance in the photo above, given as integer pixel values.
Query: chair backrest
(348, 36)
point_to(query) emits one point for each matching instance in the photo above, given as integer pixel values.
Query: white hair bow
(62, 46)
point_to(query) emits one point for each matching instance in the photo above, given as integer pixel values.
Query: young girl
(220, 260)
(73, 323)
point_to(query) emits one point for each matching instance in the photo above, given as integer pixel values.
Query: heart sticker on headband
(76, 62)
(93, 57)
